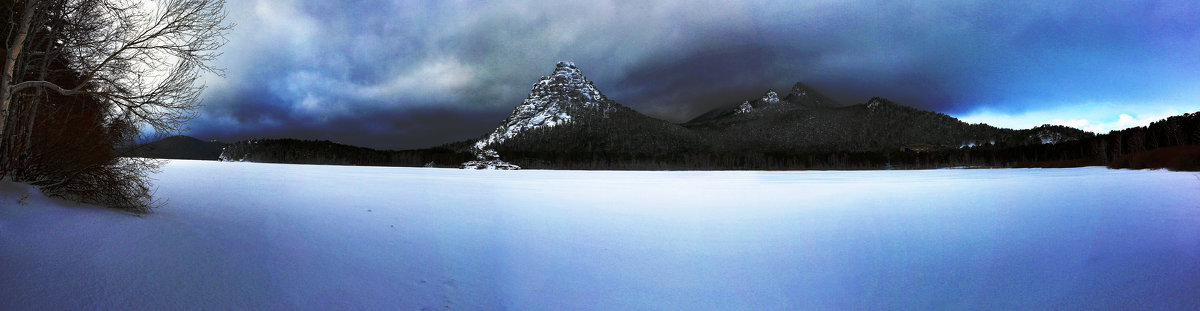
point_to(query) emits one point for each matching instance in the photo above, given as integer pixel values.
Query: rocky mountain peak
(745, 107)
(553, 100)
(566, 84)
(800, 89)
(566, 68)
(771, 97)
(876, 102)
(808, 97)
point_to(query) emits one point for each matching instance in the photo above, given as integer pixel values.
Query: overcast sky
(410, 74)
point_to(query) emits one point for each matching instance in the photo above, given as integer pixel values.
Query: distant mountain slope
(566, 117)
(801, 97)
(567, 123)
(878, 124)
(621, 138)
(180, 147)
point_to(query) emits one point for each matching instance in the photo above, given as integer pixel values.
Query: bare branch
(45, 84)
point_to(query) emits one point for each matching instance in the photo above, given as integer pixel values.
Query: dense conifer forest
(326, 152)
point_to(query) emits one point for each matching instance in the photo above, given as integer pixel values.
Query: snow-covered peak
(807, 97)
(745, 108)
(749, 106)
(567, 68)
(771, 97)
(553, 100)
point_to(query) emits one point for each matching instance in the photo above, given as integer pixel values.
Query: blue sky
(407, 74)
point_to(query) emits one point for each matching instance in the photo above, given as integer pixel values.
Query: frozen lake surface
(283, 237)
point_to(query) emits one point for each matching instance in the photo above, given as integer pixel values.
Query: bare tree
(137, 60)
(143, 57)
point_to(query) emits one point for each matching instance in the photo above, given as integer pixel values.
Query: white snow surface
(238, 235)
(550, 103)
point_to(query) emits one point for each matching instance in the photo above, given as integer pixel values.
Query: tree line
(843, 142)
(297, 151)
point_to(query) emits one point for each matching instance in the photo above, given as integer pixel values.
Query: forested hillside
(179, 147)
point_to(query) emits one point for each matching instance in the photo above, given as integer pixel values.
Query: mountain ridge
(801, 96)
(800, 124)
(567, 123)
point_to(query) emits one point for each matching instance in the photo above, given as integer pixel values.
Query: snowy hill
(554, 100)
(565, 119)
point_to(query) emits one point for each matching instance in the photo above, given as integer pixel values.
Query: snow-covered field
(284, 237)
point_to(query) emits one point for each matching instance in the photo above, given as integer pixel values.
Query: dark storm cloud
(259, 116)
(400, 74)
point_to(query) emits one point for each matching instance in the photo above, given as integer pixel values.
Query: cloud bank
(404, 74)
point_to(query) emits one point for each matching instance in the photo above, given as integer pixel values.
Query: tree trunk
(43, 75)
(10, 62)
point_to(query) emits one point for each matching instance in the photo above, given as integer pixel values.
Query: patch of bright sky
(1093, 117)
